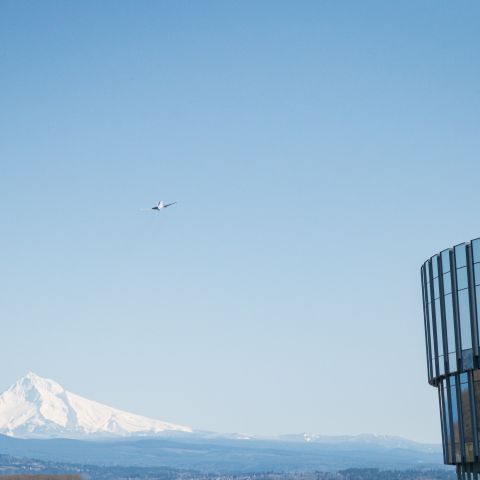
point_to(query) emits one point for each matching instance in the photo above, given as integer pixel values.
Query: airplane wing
(168, 204)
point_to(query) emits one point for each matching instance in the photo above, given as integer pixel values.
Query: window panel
(476, 273)
(466, 413)
(448, 430)
(432, 337)
(469, 452)
(467, 359)
(438, 324)
(429, 270)
(434, 265)
(436, 289)
(462, 278)
(441, 365)
(447, 283)
(445, 261)
(449, 320)
(460, 256)
(452, 362)
(454, 403)
(476, 392)
(476, 250)
(464, 312)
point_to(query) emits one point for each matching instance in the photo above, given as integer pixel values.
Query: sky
(319, 152)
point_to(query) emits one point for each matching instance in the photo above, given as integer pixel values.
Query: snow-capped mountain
(39, 407)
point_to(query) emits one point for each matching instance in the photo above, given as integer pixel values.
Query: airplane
(160, 205)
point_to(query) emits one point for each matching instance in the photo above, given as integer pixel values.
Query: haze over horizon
(318, 153)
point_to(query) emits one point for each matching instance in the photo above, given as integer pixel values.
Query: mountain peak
(39, 407)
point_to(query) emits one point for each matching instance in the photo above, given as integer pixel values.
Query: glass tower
(451, 308)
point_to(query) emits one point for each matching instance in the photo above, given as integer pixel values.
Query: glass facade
(451, 307)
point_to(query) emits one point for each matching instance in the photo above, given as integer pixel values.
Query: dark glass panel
(467, 359)
(476, 250)
(447, 283)
(455, 417)
(476, 392)
(450, 323)
(466, 413)
(464, 312)
(460, 256)
(445, 261)
(462, 278)
(469, 452)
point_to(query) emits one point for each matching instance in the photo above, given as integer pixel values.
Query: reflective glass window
(447, 423)
(460, 256)
(447, 283)
(469, 452)
(467, 359)
(464, 312)
(454, 403)
(476, 392)
(452, 362)
(445, 261)
(438, 324)
(462, 278)
(476, 273)
(442, 419)
(466, 412)
(450, 323)
(427, 344)
(476, 250)
(441, 365)
(436, 288)
(432, 340)
(434, 264)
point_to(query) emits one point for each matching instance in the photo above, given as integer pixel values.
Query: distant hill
(222, 455)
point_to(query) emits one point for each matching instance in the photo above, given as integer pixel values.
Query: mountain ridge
(39, 408)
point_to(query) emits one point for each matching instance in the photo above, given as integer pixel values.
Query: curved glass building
(451, 304)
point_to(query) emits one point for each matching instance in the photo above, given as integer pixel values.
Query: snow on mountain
(39, 407)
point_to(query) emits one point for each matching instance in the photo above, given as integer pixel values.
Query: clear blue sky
(319, 151)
